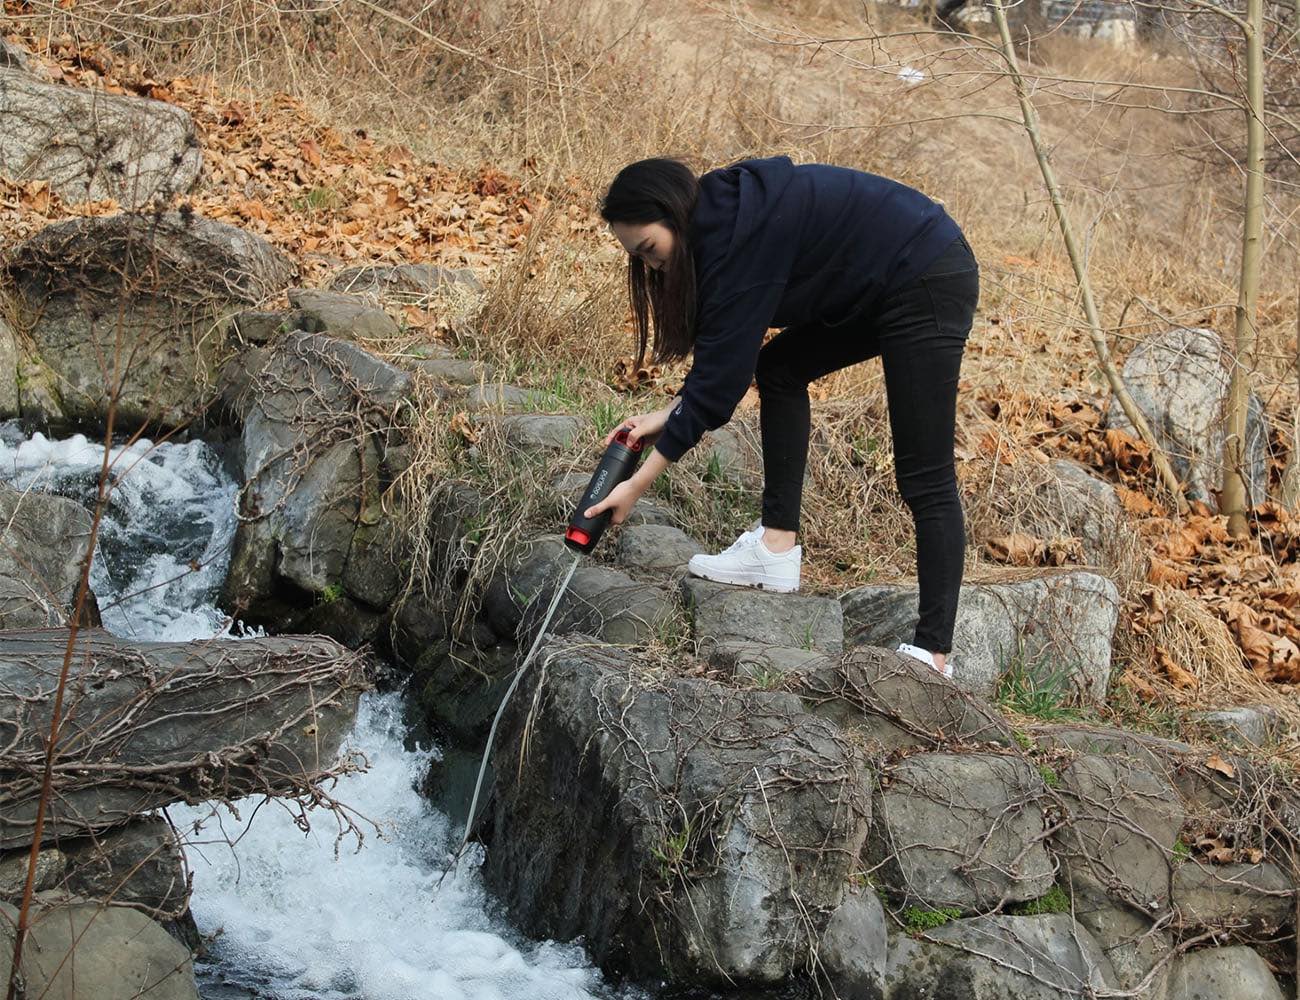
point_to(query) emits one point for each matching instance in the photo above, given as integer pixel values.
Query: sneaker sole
(761, 581)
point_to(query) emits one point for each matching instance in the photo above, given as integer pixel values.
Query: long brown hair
(659, 190)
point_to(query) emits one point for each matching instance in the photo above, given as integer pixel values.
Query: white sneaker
(749, 563)
(925, 656)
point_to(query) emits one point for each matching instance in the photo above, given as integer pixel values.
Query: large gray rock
(721, 613)
(1250, 900)
(500, 396)
(598, 601)
(455, 371)
(1123, 819)
(316, 413)
(403, 282)
(1071, 501)
(1236, 973)
(960, 830)
(730, 821)
(43, 540)
(1179, 379)
(896, 701)
(854, 948)
(341, 315)
(139, 865)
(151, 723)
(655, 547)
(998, 958)
(91, 145)
(135, 304)
(1056, 629)
(14, 56)
(765, 666)
(537, 431)
(1251, 725)
(77, 949)
(734, 454)
(51, 865)
(1138, 949)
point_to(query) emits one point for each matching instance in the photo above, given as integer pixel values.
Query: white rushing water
(295, 916)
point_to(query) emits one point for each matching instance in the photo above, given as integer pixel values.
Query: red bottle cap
(578, 536)
(623, 438)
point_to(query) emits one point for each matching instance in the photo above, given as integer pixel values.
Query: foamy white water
(296, 916)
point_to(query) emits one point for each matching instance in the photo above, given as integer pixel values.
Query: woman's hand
(621, 500)
(624, 496)
(645, 427)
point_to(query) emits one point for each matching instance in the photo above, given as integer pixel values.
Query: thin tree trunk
(1029, 116)
(1234, 500)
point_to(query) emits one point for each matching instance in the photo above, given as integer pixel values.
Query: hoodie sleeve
(729, 334)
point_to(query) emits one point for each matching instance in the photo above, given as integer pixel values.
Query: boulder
(1179, 380)
(43, 541)
(77, 949)
(1248, 725)
(316, 413)
(1235, 973)
(1122, 821)
(598, 601)
(339, 314)
(734, 454)
(896, 701)
(961, 830)
(51, 865)
(151, 723)
(138, 865)
(854, 947)
(730, 821)
(721, 613)
(499, 396)
(403, 282)
(999, 958)
(145, 294)
(459, 689)
(261, 326)
(1075, 503)
(1054, 630)
(13, 56)
(654, 547)
(537, 431)
(1152, 752)
(91, 145)
(456, 371)
(764, 666)
(1138, 950)
(1253, 901)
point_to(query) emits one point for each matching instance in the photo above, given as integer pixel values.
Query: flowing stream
(294, 916)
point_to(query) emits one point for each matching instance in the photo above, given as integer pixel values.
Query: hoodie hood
(734, 204)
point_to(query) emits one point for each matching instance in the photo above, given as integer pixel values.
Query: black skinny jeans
(919, 331)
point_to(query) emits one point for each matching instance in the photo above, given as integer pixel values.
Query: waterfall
(294, 915)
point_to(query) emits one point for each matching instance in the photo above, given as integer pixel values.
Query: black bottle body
(616, 466)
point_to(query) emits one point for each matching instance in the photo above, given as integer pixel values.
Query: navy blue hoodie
(782, 245)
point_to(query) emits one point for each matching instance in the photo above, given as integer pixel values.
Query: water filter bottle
(616, 466)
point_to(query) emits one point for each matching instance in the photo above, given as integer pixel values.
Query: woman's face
(651, 241)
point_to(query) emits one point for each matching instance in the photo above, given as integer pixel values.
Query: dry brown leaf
(1216, 763)
(462, 425)
(1166, 574)
(1179, 677)
(1017, 548)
